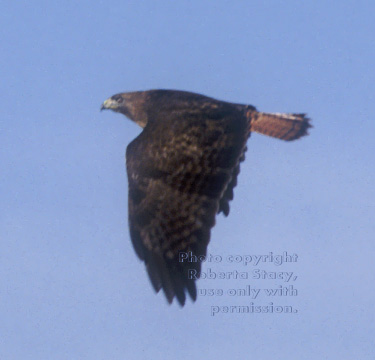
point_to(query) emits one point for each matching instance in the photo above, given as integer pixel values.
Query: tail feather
(282, 126)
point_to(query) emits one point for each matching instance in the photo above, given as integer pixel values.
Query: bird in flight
(182, 170)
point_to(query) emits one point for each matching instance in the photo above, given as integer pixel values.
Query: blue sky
(71, 286)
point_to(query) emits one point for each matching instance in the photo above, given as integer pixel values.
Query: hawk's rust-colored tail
(282, 126)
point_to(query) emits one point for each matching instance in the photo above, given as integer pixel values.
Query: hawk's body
(182, 170)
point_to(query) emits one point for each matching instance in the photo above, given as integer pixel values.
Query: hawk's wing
(178, 171)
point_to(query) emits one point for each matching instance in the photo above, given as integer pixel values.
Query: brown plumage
(182, 170)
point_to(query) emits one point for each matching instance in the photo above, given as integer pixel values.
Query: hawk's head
(129, 104)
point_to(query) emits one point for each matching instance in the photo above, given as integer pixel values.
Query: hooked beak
(109, 104)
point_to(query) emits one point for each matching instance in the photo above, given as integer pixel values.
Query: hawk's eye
(118, 98)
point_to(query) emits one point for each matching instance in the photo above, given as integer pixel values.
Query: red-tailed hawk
(182, 169)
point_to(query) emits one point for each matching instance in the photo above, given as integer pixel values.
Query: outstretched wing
(178, 171)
